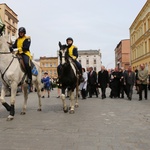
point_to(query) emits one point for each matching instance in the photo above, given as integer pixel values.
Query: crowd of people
(120, 81)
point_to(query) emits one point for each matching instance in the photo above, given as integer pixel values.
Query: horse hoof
(65, 109)
(76, 105)
(9, 118)
(22, 113)
(39, 109)
(71, 112)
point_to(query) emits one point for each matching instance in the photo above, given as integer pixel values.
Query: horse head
(63, 54)
(4, 44)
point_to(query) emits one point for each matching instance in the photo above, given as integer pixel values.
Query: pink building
(122, 54)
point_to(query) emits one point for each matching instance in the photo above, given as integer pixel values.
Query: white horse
(12, 75)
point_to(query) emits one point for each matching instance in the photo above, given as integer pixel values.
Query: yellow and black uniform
(73, 53)
(23, 44)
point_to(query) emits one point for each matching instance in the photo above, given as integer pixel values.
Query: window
(87, 61)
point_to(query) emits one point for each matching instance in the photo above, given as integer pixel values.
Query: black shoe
(145, 98)
(90, 97)
(43, 96)
(140, 99)
(48, 96)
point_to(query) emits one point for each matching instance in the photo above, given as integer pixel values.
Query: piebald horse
(69, 80)
(11, 76)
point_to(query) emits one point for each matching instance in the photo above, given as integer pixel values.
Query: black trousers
(83, 93)
(92, 90)
(26, 60)
(141, 88)
(103, 90)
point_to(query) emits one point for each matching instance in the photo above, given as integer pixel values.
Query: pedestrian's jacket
(143, 76)
(23, 44)
(103, 78)
(46, 81)
(92, 78)
(129, 78)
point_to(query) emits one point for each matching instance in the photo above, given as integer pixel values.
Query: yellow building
(140, 38)
(10, 19)
(49, 64)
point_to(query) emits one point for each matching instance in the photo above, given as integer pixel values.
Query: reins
(2, 74)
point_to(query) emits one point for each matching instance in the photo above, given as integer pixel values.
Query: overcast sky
(93, 24)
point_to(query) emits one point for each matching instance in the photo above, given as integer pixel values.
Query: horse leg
(65, 108)
(38, 88)
(25, 92)
(4, 103)
(72, 103)
(12, 101)
(76, 100)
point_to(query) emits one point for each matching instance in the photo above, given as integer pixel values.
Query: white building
(90, 58)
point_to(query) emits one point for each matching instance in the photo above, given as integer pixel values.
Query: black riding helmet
(22, 29)
(69, 38)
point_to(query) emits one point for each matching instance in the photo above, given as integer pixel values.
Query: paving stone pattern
(109, 124)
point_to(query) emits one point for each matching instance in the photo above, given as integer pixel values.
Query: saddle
(23, 68)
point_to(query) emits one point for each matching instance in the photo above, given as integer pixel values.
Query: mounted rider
(22, 45)
(73, 53)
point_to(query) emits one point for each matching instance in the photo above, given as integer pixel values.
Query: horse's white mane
(3, 44)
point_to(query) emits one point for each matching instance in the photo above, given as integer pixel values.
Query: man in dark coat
(103, 80)
(92, 82)
(129, 78)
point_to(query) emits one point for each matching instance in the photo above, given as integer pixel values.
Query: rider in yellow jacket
(22, 45)
(73, 53)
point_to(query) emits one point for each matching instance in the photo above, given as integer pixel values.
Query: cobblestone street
(109, 124)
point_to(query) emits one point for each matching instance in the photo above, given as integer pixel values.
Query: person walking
(115, 81)
(83, 85)
(46, 81)
(129, 79)
(92, 82)
(143, 76)
(103, 81)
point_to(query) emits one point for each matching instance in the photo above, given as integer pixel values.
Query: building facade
(140, 38)
(49, 64)
(122, 54)
(10, 19)
(90, 58)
